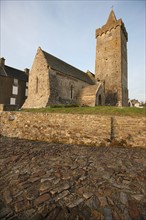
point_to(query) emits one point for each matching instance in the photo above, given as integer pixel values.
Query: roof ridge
(15, 68)
(66, 68)
(63, 61)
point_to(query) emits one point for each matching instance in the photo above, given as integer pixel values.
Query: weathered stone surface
(22, 205)
(114, 187)
(111, 61)
(7, 197)
(57, 213)
(60, 83)
(5, 213)
(87, 195)
(41, 199)
(94, 130)
(37, 217)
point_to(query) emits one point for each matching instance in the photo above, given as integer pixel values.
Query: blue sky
(66, 29)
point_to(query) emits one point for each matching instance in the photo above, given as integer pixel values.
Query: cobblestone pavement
(56, 182)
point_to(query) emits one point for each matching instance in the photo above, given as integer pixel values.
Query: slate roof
(66, 68)
(8, 71)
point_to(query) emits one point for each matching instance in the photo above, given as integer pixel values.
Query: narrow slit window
(37, 83)
(71, 94)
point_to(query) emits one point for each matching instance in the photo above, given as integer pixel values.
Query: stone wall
(64, 89)
(74, 128)
(63, 128)
(131, 130)
(111, 61)
(38, 89)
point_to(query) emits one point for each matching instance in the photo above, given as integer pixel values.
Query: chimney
(26, 70)
(2, 62)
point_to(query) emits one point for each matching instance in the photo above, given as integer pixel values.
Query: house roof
(8, 71)
(66, 68)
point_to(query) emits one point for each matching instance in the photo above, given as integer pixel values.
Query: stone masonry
(54, 82)
(74, 128)
(111, 60)
(40, 180)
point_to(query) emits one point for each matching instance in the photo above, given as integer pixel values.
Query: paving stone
(15, 217)
(7, 197)
(41, 199)
(38, 174)
(138, 197)
(75, 202)
(123, 198)
(31, 193)
(45, 186)
(133, 210)
(97, 215)
(34, 179)
(61, 195)
(37, 217)
(93, 202)
(84, 213)
(27, 214)
(107, 214)
(87, 195)
(71, 182)
(21, 206)
(5, 212)
(60, 189)
(56, 214)
(2, 205)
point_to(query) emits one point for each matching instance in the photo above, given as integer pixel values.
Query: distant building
(135, 103)
(13, 85)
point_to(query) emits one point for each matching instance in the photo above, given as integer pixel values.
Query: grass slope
(100, 110)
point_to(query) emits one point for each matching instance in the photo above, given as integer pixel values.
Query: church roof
(8, 71)
(66, 68)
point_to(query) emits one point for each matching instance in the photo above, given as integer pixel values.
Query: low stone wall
(1, 107)
(131, 130)
(62, 128)
(74, 128)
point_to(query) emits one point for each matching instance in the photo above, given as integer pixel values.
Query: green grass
(100, 110)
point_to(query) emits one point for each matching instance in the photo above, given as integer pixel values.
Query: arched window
(71, 92)
(99, 100)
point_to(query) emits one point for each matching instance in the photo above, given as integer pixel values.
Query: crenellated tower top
(111, 23)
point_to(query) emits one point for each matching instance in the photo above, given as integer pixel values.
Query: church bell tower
(111, 60)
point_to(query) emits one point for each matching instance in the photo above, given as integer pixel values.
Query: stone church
(54, 82)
